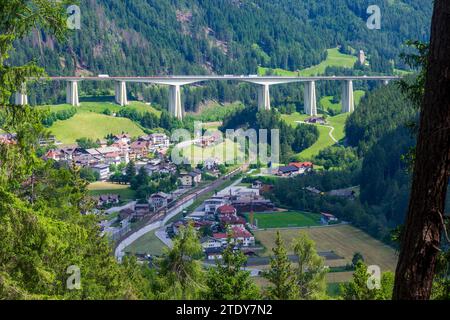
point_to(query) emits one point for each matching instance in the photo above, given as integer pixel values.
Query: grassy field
(334, 59)
(94, 126)
(92, 123)
(149, 243)
(326, 103)
(338, 122)
(99, 188)
(344, 240)
(215, 111)
(285, 219)
(197, 154)
(102, 104)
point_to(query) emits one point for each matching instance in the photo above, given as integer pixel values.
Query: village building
(327, 218)
(127, 213)
(159, 200)
(257, 184)
(213, 203)
(124, 138)
(288, 171)
(316, 120)
(106, 199)
(139, 149)
(255, 204)
(52, 155)
(141, 210)
(238, 235)
(214, 253)
(191, 179)
(102, 170)
(210, 242)
(159, 140)
(302, 167)
(226, 210)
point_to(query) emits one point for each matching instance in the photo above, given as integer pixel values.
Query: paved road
(322, 125)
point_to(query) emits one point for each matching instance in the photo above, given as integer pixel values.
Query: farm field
(92, 125)
(334, 59)
(344, 240)
(99, 188)
(285, 219)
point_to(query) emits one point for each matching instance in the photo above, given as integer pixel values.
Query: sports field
(285, 219)
(344, 240)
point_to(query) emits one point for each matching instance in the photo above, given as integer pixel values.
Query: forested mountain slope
(155, 37)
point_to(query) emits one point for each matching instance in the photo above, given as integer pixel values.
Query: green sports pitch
(288, 219)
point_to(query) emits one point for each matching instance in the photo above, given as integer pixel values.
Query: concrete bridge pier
(263, 97)
(348, 100)
(21, 98)
(72, 93)
(121, 93)
(310, 99)
(175, 107)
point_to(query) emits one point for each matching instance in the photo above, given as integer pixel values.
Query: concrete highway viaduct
(175, 82)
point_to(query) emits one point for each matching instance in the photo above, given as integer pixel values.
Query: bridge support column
(348, 100)
(310, 100)
(72, 93)
(264, 97)
(121, 93)
(175, 107)
(20, 97)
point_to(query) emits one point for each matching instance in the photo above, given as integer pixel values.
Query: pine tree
(280, 274)
(227, 281)
(180, 268)
(358, 288)
(310, 272)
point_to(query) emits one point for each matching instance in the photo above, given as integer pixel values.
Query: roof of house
(327, 215)
(226, 209)
(220, 235)
(299, 165)
(160, 195)
(239, 232)
(139, 144)
(287, 169)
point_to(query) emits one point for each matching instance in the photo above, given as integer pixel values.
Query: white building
(103, 171)
(213, 203)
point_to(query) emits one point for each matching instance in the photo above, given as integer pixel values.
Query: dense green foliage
(58, 115)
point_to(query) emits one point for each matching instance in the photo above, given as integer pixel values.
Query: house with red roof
(302, 166)
(238, 235)
(226, 210)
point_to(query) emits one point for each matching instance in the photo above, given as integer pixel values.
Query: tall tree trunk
(424, 223)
